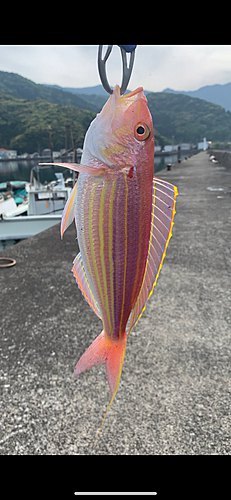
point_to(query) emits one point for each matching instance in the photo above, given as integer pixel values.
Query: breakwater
(223, 157)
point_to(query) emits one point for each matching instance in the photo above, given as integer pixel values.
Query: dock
(174, 395)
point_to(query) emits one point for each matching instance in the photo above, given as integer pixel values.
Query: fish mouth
(117, 102)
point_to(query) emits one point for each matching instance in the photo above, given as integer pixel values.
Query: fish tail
(112, 352)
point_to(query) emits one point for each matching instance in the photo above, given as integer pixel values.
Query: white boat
(13, 198)
(42, 208)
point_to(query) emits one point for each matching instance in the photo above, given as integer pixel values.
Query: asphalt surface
(174, 396)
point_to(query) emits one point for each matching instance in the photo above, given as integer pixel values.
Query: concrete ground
(175, 393)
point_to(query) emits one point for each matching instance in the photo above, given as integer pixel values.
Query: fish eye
(141, 131)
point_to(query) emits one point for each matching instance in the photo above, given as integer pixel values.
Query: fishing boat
(13, 198)
(27, 208)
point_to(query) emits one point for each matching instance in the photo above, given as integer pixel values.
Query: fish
(124, 219)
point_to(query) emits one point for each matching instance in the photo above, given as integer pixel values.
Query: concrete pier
(174, 396)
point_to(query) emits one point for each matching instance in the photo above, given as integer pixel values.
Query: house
(170, 147)
(46, 153)
(203, 145)
(6, 154)
(184, 146)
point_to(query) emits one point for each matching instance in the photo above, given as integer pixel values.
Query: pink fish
(124, 219)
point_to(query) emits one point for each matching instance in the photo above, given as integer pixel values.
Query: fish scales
(112, 240)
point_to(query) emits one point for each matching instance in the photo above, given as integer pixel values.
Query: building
(46, 153)
(203, 145)
(184, 146)
(167, 148)
(7, 154)
(170, 147)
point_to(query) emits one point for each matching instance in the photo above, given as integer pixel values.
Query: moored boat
(27, 208)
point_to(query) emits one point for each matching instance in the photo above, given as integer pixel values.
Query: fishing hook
(127, 69)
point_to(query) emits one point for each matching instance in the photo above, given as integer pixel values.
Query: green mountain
(96, 99)
(189, 119)
(218, 94)
(27, 110)
(95, 90)
(22, 88)
(24, 125)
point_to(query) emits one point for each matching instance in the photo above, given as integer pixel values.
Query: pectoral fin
(163, 211)
(79, 167)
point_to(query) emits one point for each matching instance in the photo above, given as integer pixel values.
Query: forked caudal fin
(111, 352)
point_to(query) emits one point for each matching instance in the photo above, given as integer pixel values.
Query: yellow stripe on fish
(92, 244)
(125, 249)
(101, 236)
(110, 250)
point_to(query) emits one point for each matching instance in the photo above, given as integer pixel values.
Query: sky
(180, 67)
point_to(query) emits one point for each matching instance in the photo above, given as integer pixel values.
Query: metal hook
(102, 67)
(127, 69)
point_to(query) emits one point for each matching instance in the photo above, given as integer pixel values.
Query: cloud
(62, 65)
(181, 67)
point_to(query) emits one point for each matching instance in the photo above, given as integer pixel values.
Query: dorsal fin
(80, 275)
(163, 211)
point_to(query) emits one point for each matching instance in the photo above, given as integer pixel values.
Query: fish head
(121, 135)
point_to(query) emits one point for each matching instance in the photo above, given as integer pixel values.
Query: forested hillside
(18, 86)
(24, 124)
(27, 110)
(189, 119)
